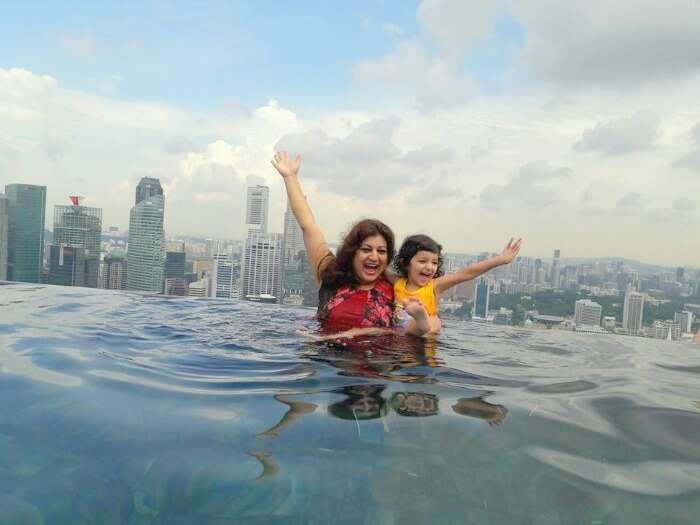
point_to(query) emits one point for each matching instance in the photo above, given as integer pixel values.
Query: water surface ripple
(121, 407)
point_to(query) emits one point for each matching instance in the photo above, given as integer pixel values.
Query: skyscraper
(260, 263)
(257, 204)
(67, 265)
(481, 298)
(587, 312)
(79, 226)
(556, 270)
(146, 248)
(684, 320)
(174, 273)
(114, 271)
(4, 227)
(148, 187)
(223, 276)
(25, 239)
(633, 312)
(292, 266)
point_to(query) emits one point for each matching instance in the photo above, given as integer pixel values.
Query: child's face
(422, 268)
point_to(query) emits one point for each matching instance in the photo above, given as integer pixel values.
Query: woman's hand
(286, 165)
(510, 251)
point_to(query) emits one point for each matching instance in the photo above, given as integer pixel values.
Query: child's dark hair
(411, 246)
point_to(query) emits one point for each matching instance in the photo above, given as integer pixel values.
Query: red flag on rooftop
(75, 199)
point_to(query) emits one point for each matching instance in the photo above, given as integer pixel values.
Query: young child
(420, 279)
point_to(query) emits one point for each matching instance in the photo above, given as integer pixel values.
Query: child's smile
(422, 268)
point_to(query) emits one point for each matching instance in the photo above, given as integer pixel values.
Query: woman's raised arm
(317, 249)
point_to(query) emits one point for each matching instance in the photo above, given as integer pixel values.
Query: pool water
(120, 407)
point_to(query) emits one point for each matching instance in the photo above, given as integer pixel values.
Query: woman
(353, 293)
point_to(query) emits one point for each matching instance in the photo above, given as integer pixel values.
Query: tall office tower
(67, 265)
(684, 320)
(4, 227)
(260, 263)
(114, 271)
(223, 276)
(587, 313)
(633, 312)
(481, 298)
(257, 204)
(25, 237)
(174, 272)
(146, 254)
(680, 272)
(556, 270)
(148, 187)
(80, 226)
(292, 266)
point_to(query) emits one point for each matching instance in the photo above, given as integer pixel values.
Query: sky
(575, 125)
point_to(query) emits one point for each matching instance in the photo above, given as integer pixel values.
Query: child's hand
(286, 165)
(511, 250)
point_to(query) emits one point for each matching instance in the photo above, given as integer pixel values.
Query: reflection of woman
(353, 292)
(362, 402)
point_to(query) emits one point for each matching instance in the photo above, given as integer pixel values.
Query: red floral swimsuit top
(353, 308)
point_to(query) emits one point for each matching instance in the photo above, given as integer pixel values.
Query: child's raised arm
(475, 270)
(317, 250)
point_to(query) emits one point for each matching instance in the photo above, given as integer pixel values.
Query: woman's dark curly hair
(410, 247)
(340, 271)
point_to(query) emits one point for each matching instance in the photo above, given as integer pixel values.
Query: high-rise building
(4, 227)
(481, 298)
(146, 253)
(292, 267)
(633, 312)
(556, 270)
(114, 271)
(66, 265)
(684, 319)
(260, 263)
(148, 187)
(80, 226)
(25, 238)
(257, 204)
(587, 312)
(680, 273)
(223, 276)
(174, 273)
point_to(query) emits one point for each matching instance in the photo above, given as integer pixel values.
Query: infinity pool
(140, 409)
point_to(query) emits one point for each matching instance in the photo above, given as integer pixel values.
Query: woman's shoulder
(385, 287)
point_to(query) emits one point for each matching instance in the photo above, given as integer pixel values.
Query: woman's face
(370, 260)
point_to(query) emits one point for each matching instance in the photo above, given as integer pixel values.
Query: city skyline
(471, 122)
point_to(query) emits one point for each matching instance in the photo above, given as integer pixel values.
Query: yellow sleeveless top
(426, 295)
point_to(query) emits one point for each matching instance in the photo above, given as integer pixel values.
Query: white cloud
(685, 204)
(433, 81)
(535, 185)
(455, 24)
(622, 135)
(611, 42)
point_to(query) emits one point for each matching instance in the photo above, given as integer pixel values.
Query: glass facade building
(25, 238)
(67, 265)
(80, 226)
(146, 250)
(260, 273)
(4, 227)
(148, 187)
